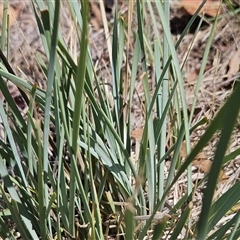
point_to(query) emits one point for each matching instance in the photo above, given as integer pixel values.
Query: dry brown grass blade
(106, 29)
(126, 82)
(159, 216)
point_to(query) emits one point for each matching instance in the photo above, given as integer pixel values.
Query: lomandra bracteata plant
(72, 172)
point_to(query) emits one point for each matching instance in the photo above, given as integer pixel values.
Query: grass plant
(66, 166)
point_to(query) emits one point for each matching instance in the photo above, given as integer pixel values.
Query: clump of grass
(87, 192)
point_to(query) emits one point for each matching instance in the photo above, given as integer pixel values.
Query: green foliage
(89, 184)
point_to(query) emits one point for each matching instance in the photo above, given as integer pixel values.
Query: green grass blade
(230, 116)
(221, 232)
(50, 77)
(115, 67)
(12, 144)
(181, 222)
(231, 156)
(202, 69)
(129, 221)
(80, 77)
(222, 205)
(235, 232)
(31, 162)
